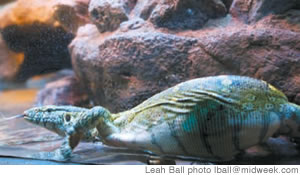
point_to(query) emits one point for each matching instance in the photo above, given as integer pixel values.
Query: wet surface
(24, 161)
(19, 139)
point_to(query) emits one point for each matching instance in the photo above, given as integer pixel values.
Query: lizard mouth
(24, 116)
(28, 118)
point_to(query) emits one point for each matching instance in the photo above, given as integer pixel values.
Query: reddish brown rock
(254, 10)
(123, 69)
(181, 14)
(289, 20)
(65, 91)
(107, 15)
(41, 31)
(269, 54)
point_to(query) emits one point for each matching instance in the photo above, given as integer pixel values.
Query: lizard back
(212, 118)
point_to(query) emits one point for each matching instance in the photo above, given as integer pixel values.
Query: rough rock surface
(254, 10)
(125, 69)
(41, 31)
(120, 69)
(269, 54)
(180, 14)
(9, 62)
(65, 91)
(289, 20)
(108, 14)
(44, 48)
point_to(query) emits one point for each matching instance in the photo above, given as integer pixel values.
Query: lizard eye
(67, 117)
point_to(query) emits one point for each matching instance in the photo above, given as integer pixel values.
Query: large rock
(254, 10)
(109, 14)
(68, 14)
(289, 20)
(41, 31)
(10, 62)
(65, 91)
(45, 48)
(181, 14)
(123, 69)
(265, 53)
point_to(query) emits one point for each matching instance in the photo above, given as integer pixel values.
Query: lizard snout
(26, 117)
(30, 115)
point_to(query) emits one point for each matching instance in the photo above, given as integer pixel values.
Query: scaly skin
(210, 119)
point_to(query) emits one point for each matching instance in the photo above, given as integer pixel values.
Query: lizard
(212, 119)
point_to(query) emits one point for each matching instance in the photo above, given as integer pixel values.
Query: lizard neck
(97, 117)
(122, 118)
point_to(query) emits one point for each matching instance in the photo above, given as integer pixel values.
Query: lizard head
(53, 118)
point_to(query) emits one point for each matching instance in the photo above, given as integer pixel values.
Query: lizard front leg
(63, 153)
(73, 123)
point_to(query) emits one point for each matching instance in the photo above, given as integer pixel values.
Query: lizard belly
(218, 139)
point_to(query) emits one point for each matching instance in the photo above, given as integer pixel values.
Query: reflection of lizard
(210, 119)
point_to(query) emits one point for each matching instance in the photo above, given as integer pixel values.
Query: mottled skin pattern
(211, 119)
